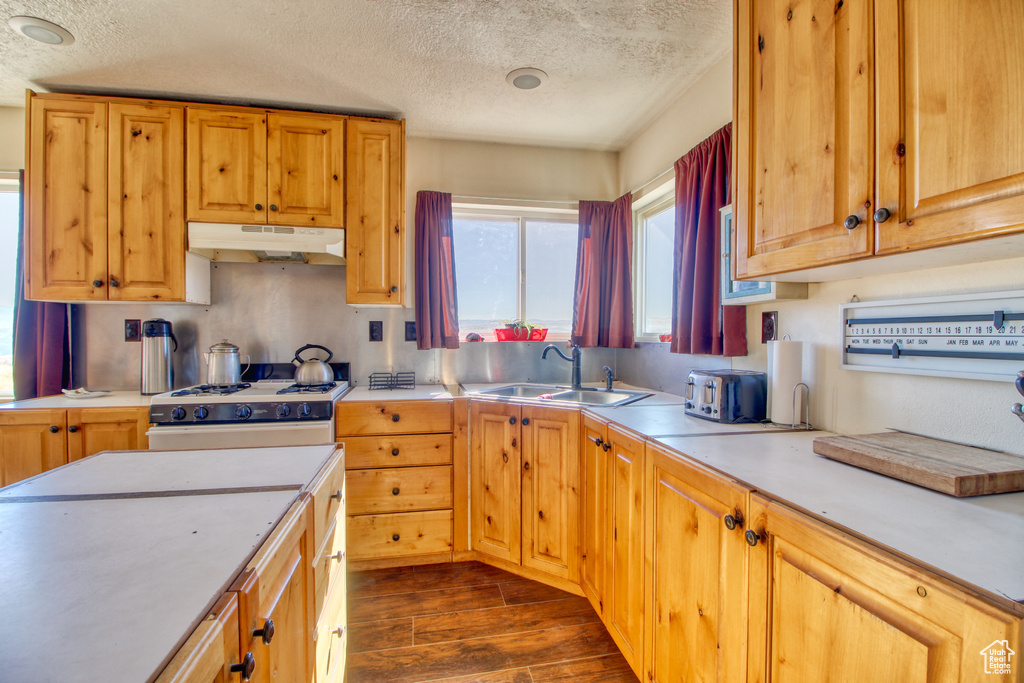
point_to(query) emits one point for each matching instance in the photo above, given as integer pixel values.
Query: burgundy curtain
(437, 310)
(700, 324)
(603, 301)
(42, 353)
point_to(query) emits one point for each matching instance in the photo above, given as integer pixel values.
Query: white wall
(12, 138)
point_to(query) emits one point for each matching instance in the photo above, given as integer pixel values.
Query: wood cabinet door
(31, 442)
(305, 157)
(550, 490)
(66, 206)
(950, 130)
(146, 210)
(495, 457)
(595, 518)
(824, 606)
(92, 430)
(211, 651)
(695, 625)
(226, 166)
(626, 559)
(277, 586)
(803, 134)
(375, 214)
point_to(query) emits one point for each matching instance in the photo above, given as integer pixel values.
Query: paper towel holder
(806, 424)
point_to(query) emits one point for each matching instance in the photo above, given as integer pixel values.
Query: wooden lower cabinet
(34, 441)
(210, 655)
(695, 573)
(825, 606)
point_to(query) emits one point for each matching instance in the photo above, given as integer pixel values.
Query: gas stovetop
(265, 400)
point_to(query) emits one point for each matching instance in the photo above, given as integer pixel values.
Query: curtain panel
(437, 310)
(42, 349)
(700, 323)
(603, 300)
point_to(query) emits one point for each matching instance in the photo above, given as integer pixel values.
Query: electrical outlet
(769, 326)
(410, 330)
(376, 330)
(132, 330)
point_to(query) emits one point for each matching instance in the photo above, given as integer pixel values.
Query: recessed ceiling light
(526, 79)
(41, 30)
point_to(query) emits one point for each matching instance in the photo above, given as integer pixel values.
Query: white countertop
(654, 419)
(422, 392)
(114, 399)
(978, 540)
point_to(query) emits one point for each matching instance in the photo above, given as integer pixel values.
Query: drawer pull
(395, 537)
(246, 667)
(266, 633)
(340, 631)
(396, 418)
(339, 556)
(394, 491)
(336, 495)
(394, 451)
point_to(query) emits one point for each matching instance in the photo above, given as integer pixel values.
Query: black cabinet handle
(752, 537)
(394, 451)
(266, 633)
(851, 222)
(395, 418)
(54, 429)
(394, 491)
(882, 215)
(395, 537)
(114, 283)
(97, 283)
(259, 207)
(73, 428)
(273, 207)
(526, 421)
(246, 667)
(511, 420)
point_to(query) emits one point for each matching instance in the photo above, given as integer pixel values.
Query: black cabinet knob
(246, 667)
(336, 495)
(273, 207)
(97, 283)
(597, 440)
(54, 429)
(851, 222)
(266, 633)
(394, 451)
(882, 215)
(396, 418)
(731, 522)
(606, 446)
(259, 207)
(752, 537)
(526, 420)
(394, 491)
(114, 282)
(73, 428)
(395, 537)
(394, 289)
(511, 420)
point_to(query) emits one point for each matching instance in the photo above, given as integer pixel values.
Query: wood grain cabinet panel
(305, 157)
(695, 616)
(211, 651)
(399, 489)
(401, 450)
(495, 463)
(31, 442)
(375, 222)
(399, 534)
(355, 418)
(93, 430)
(596, 513)
(825, 606)
(227, 166)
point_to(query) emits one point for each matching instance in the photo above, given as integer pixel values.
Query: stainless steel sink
(552, 392)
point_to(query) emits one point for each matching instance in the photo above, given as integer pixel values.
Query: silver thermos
(157, 368)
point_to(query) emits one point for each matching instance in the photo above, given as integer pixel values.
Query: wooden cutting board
(939, 465)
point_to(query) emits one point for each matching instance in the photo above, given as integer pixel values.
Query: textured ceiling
(613, 65)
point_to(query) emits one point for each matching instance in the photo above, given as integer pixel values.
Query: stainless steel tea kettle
(313, 371)
(224, 365)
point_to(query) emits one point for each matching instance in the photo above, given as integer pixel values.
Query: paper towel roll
(785, 372)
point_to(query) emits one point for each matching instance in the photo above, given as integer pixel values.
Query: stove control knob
(178, 413)
(707, 410)
(284, 410)
(689, 406)
(243, 412)
(304, 410)
(201, 412)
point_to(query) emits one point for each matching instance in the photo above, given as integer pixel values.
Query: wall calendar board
(972, 336)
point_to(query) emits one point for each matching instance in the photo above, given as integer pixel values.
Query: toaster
(727, 395)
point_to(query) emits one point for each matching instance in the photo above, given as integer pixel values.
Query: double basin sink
(601, 397)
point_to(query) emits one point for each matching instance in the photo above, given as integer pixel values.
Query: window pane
(550, 274)
(8, 264)
(659, 236)
(486, 273)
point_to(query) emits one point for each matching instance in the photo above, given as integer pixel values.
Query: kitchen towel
(785, 372)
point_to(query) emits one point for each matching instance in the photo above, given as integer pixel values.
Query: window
(653, 249)
(9, 200)
(514, 266)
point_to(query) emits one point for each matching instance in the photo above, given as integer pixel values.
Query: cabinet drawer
(397, 451)
(329, 565)
(328, 498)
(392, 417)
(403, 533)
(399, 489)
(330, 643)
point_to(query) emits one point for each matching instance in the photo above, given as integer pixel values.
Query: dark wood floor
(471, 623)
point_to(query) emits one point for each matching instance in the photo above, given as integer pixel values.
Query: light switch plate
(769, 326)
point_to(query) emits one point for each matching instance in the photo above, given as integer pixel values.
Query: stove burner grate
(212, 390)
(308, 388)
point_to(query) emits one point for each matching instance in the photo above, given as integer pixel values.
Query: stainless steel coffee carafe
(157, 368)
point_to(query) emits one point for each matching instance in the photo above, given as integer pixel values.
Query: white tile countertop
(113, 399)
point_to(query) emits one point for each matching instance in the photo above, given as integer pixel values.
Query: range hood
(267, 243)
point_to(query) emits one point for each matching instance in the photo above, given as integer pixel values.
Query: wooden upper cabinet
(66, 209)
(495, 458)
(146, 207)
(31, 442)
(375, 222)
(824, 606)
(950, 123)
(803, 134)
(227, 166)
(305, 162)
